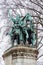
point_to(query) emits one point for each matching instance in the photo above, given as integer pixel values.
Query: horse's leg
(12, 41)
(18, 40)
(24, 37)
(13, 38)
(29, 37)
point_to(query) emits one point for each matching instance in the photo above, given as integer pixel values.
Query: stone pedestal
(20, 55)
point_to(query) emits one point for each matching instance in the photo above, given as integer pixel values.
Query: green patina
(21, 29)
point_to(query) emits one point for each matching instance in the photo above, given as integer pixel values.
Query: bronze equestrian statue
(20, 30)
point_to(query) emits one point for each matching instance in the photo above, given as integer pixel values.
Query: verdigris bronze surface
(20, 30)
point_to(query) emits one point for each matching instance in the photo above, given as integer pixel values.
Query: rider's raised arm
(11, 18)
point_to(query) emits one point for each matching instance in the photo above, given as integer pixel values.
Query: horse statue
(20, 31)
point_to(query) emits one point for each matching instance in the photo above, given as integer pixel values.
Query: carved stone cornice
(21, 51)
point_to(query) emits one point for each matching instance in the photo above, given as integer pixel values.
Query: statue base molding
(20, 55)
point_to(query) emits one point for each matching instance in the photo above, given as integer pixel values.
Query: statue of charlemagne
(20, 31)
